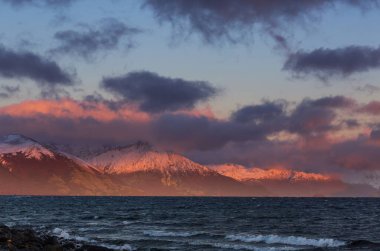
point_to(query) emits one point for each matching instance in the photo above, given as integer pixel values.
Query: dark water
(140, 223)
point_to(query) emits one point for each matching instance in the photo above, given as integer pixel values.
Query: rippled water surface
(144, 223)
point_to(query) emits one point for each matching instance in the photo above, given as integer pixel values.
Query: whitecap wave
(64, 234)
(287, 240)
(161, 233)
(125, 247)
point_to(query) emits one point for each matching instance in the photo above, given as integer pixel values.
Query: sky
(259, 83)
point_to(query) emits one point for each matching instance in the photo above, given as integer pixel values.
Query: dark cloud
(310, 117)
(333, 102)
(50, 128)
(7, 91)
(259, 113)
(375, 133)
(189, 132)
(235, 21)
(314, 117)
(48, 3)
(97, 98)
(155, 93)
(326, 63)
(351, 123)
(44, 72)
(308, 120)
(89, 41)
(358, 154)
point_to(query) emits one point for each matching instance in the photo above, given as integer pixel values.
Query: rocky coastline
(15, 239)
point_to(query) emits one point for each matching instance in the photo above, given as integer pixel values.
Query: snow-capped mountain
(242, 173)
(141, 157)
(165, 173)
(17, 144)
(283, 182)
(28, 167)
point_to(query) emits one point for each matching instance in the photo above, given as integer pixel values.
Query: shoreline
(27, 239)
(13, 238)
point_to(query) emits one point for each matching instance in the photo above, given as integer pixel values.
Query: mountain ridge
(28, 167)
(242, 173)
(279, 181)
(165, 172)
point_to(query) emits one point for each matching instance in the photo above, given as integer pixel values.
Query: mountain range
(28, 167)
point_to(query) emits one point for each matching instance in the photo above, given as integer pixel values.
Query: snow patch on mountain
(242, 173)
(15, 144)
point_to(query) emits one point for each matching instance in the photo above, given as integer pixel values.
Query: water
(144, 223)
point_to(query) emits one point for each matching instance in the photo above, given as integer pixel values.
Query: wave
(287, 240)
(64, 234)
(91, 217)
(161, 233)
(236, 246)
(254, 248)
(115, 247)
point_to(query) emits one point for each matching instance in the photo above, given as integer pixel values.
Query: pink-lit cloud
(69, 108)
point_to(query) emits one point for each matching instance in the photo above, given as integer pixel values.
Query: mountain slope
(283, 182)
(165, 173)
(245, 174)
(29, 168)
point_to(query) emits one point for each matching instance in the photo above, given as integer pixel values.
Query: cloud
(368, 88)
(333, 102)
(259, 113)
(309, 117)
(82, 130)
(302, 137)
(340, 158)
(85, 121)
(375, 133)
(185, 132)
(89, 41)
(314, 117)
(75, 122)
(326, 63)
(216, 21)
(358, 154)
(156, 93)
(7, 91)
(372, 107)
(48, 3)
(181, 130)
(351, 123)
(21, 65)
(73, 109)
